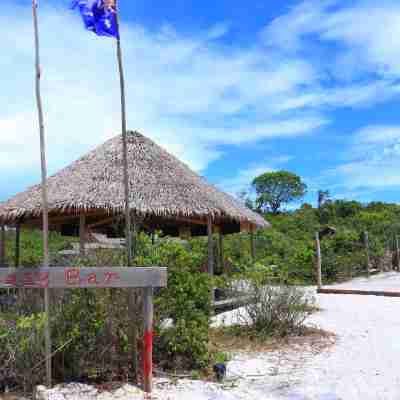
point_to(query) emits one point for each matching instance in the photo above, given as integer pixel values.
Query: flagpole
(128, 229)
(44, 191)
(124, 147)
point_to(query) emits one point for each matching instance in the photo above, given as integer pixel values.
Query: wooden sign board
(96, 277)
(75, 277)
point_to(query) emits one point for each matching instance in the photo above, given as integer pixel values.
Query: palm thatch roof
(161, 187)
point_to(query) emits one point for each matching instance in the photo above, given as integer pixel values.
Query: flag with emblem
(99, 16)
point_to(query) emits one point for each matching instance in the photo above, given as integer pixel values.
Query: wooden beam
(359, 292)
(319, 260)
(17, 244)
(2, 246)
(72, 217)
(193, 221)
(82, 235)
(101, 222)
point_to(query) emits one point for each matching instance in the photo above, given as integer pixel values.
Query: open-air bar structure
(165, 194)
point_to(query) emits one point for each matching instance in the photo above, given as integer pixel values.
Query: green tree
(323, 196)
(275, 189)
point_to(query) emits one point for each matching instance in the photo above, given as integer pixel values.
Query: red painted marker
(148, 340)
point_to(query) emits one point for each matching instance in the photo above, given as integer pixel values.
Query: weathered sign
(75, 277)
(96, 277)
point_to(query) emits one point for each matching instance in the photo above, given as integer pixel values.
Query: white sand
(364, 364)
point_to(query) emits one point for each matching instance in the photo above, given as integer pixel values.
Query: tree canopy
(274, 189)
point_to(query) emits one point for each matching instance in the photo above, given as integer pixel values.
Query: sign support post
(148, 340)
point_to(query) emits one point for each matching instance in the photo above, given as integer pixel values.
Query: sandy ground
(364, 363)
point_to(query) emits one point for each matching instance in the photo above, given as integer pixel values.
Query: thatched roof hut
(164, 193)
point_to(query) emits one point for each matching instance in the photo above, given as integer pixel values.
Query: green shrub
(21, 344)
(276, 310)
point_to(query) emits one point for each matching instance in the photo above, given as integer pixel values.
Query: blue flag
(99, 16)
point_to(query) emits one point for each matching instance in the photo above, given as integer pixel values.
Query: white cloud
(366, 35)
(191, 93)
(373, 160)
(243, 179)
(187, 92)
(378, 134)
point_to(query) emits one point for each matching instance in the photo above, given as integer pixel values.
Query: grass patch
(242, 339)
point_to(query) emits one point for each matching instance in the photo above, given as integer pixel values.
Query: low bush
(21, 355)
(276, 310)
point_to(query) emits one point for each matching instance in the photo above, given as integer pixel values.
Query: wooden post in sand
(45, 209)
(366, 244)
(319, 261)
(148, 340)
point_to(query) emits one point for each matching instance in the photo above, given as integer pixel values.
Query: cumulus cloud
(244, 177)
(373, 161)
(192, 93)
(188, 92)
(366, 35)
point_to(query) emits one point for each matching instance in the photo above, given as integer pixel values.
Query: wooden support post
(221, 251)
(366, 243)
(133, 331)
(210, 246)
(45, 208)
(397, 254)
(2, 246)
(133, 303)
(17, 244)
(252, 244)
(82, 234)
(319, 261)
(210, 253)
(148, 340)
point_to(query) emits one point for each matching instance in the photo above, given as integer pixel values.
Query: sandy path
(364, 364)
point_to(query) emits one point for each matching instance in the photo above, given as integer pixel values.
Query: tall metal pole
(44, 190)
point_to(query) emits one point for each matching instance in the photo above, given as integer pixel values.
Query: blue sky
(234, 89)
